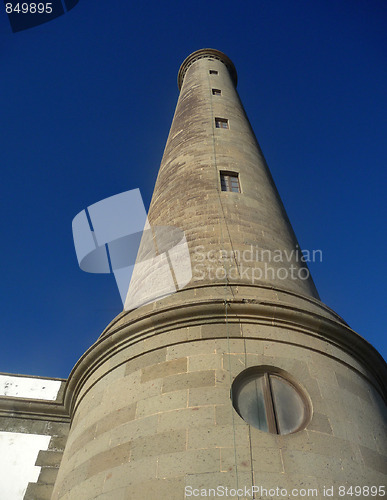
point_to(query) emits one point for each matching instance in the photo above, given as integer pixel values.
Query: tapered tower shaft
(214, 184)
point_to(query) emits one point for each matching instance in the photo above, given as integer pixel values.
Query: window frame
(216, 92)
(213, 72)
(272, 419)
(226, 176)
(219, 120)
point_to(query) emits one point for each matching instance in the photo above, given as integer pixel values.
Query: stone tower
(243, 377)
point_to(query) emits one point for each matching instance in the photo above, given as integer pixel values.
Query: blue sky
(86, 105)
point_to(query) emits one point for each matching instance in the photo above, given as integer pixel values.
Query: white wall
(29, 387)
(18, 453)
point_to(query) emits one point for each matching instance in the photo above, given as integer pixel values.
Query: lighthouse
(242, 383)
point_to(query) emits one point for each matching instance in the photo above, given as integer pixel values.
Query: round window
(269, 401)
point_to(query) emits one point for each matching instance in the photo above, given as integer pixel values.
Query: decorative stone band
(305, 322)
(207, 53)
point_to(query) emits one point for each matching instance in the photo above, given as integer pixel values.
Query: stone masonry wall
(163, 420)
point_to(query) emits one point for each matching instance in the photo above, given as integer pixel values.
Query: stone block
(146, 426)
(57, 443)
(336, 395)
(188, 380)
(125, 392)
(149, 358)
(235, 460)
(75, 442)
(48, 458)
(171, 489)
(69, 479)
(223, 379)
(342, 430)
(90, 400)
(37, 491)
(305, 486)
(210, 483)
(87, 489)
(217, 330)
(129, 474)
(260, 332)
(164, 369)
(161, 403)
(234, 363)
(323, 371)
(321, 444)
(193, 348)
(28, 426)
(159, 444)
(89, 450)
(255, 359)
(188, 462)
(115, 419)
(374, 460)
(350, 385)
(226, 346)
(202, 396)
(166, 338)
(48, 475)
(311, 386)
(186, 418)
(320, 423)
(266, 459)
(282, 350)
(117, 494)
(226, 415)
(313, 464)
(204, 362)
(193, 333)
(109, 459)
(218, 436)
(260, 439)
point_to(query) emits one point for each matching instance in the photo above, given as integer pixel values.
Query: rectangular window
(229, 181)
(221, 123)
(213, 72)
(216, 92)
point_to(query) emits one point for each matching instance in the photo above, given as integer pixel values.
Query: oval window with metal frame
(270, 401)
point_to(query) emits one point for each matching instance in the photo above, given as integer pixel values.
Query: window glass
(234, 184)
(269, 402)
(229, 182)
(251, 403)
(288, 405)
(221, 123)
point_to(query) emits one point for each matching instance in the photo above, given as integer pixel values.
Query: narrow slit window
(216, 92)
(213, 72)
(229, 181)
(221, 123)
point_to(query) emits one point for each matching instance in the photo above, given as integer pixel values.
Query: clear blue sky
(86, 105)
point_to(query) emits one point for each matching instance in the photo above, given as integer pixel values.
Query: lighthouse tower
(243, 381)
